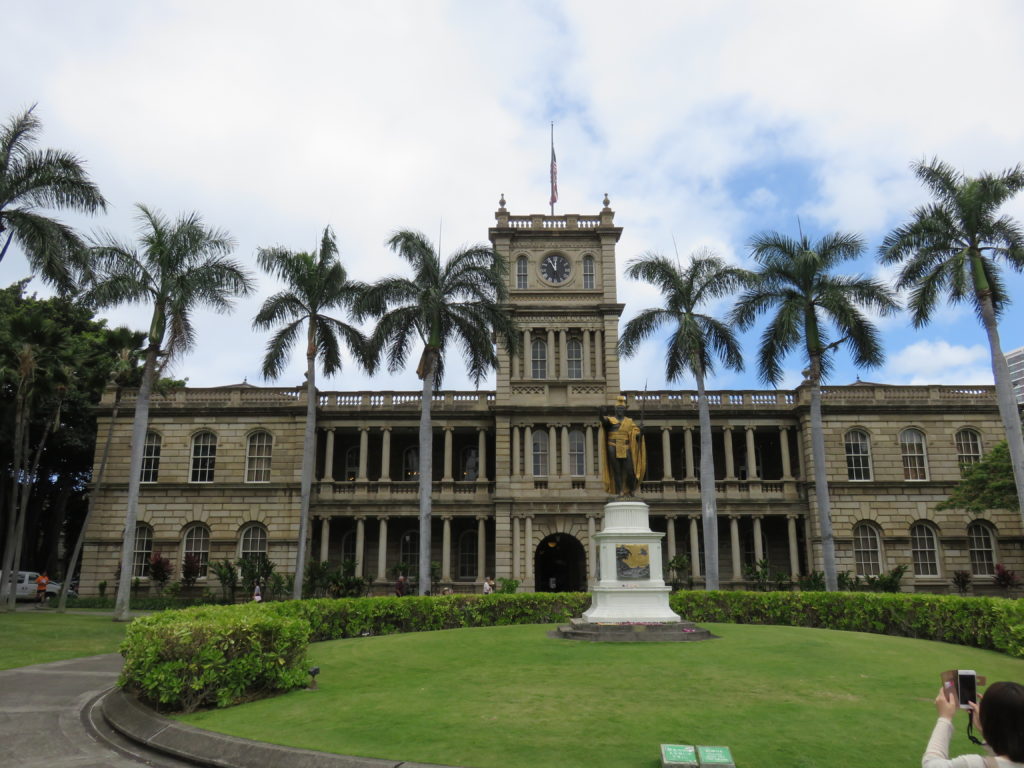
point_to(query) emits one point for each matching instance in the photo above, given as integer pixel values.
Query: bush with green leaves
(159, 570)
(227, 575)
(191, 568)
(213, 656)
(256, 568)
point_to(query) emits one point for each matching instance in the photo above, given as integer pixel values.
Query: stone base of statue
(630, 600)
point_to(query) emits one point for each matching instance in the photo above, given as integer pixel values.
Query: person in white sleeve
(999, 718)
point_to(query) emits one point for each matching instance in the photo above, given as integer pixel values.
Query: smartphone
(966, 687)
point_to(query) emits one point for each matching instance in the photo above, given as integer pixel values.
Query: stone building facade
(517, 485)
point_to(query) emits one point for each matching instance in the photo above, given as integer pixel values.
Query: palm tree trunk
(77, 553)
(308, 461)
(708, 500)
(1008, 409)
(426, 472)
(131, 517)
(828, 548)
(8, 588)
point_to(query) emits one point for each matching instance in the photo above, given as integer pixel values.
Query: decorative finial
(501, 202)
(607, 202)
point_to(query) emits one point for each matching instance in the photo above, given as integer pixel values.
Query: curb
(137, 722)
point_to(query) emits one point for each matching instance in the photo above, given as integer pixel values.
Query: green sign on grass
(678, 756)
(719, 756)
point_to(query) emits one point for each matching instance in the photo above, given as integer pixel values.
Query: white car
(27, 586)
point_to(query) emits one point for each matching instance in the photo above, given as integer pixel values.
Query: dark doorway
(561, 564)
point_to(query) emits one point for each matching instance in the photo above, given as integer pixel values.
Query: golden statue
(625, 455)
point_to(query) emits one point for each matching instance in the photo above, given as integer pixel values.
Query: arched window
(915, 460)
(522, 267)
(588, 272)
(204, 457)
(411, 463)
(924, 548)
(143, 550)
(409, 551)
(574, 358)
(981, 543)
(858, 455)
(867, 552)
(351, 463)
(151, 458)
(253, 541)
(197, 542)
(467, 555)
(540, 453)
(257, 457)
(348, 547)
(540, 358)
(968, 448)
(470, 461)
(577, 454)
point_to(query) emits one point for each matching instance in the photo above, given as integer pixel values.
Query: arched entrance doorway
(560, 564)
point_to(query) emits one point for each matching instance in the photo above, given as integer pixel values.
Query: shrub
(961, 580)
(159, 570)
(1005, 579)
(191, 567)
(508, 586)
(256, 568)
(226, 574)
(812, 582)
(209, 656)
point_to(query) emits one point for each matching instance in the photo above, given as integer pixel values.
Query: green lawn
(36, 637)
(510, 697)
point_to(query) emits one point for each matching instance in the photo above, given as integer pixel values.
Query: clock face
(555, 268)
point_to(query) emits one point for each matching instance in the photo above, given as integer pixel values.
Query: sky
(704, 122)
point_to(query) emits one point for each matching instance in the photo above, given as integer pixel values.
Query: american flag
(554, 177)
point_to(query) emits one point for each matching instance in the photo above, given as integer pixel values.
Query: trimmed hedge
(982, 622)
(213, 655)
(221, 655)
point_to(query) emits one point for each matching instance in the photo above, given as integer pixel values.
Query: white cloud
(939, 362)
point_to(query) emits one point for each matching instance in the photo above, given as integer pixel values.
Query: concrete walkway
(45, 717)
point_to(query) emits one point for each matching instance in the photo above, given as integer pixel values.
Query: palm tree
(953, 248)
(180, 266)
(457, 303)
(317, 283)
(31, 179)
(697, 339)
(811, 304)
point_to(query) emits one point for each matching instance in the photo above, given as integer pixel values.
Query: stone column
(591, 548)
(528, 551)
(551, 354)
(758, 544)
(552, 451)
(566, 469)
(602, 450)
(329, 456)
(516, 470)
(448, 454)
(528, 450)
(385, 455)
(517, 549)
(446, 548)
(360, 543)
(734, 544)
(588, 451)
(481, 547)
(794, 553)
(364, 450)
(563, 364)
(599, 353)
(787, 467)
(688, 452)
(670, 535)
(695, 546)
(730, 467)
(382, 549)
(587, 373)
(666, 453)
(481, 455)
(752, 473)
(527, 354)
(325, 538)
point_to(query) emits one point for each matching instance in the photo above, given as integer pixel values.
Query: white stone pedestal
(630, 587)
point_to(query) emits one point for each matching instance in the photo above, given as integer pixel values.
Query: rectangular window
(150, 458)
(204, 457)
